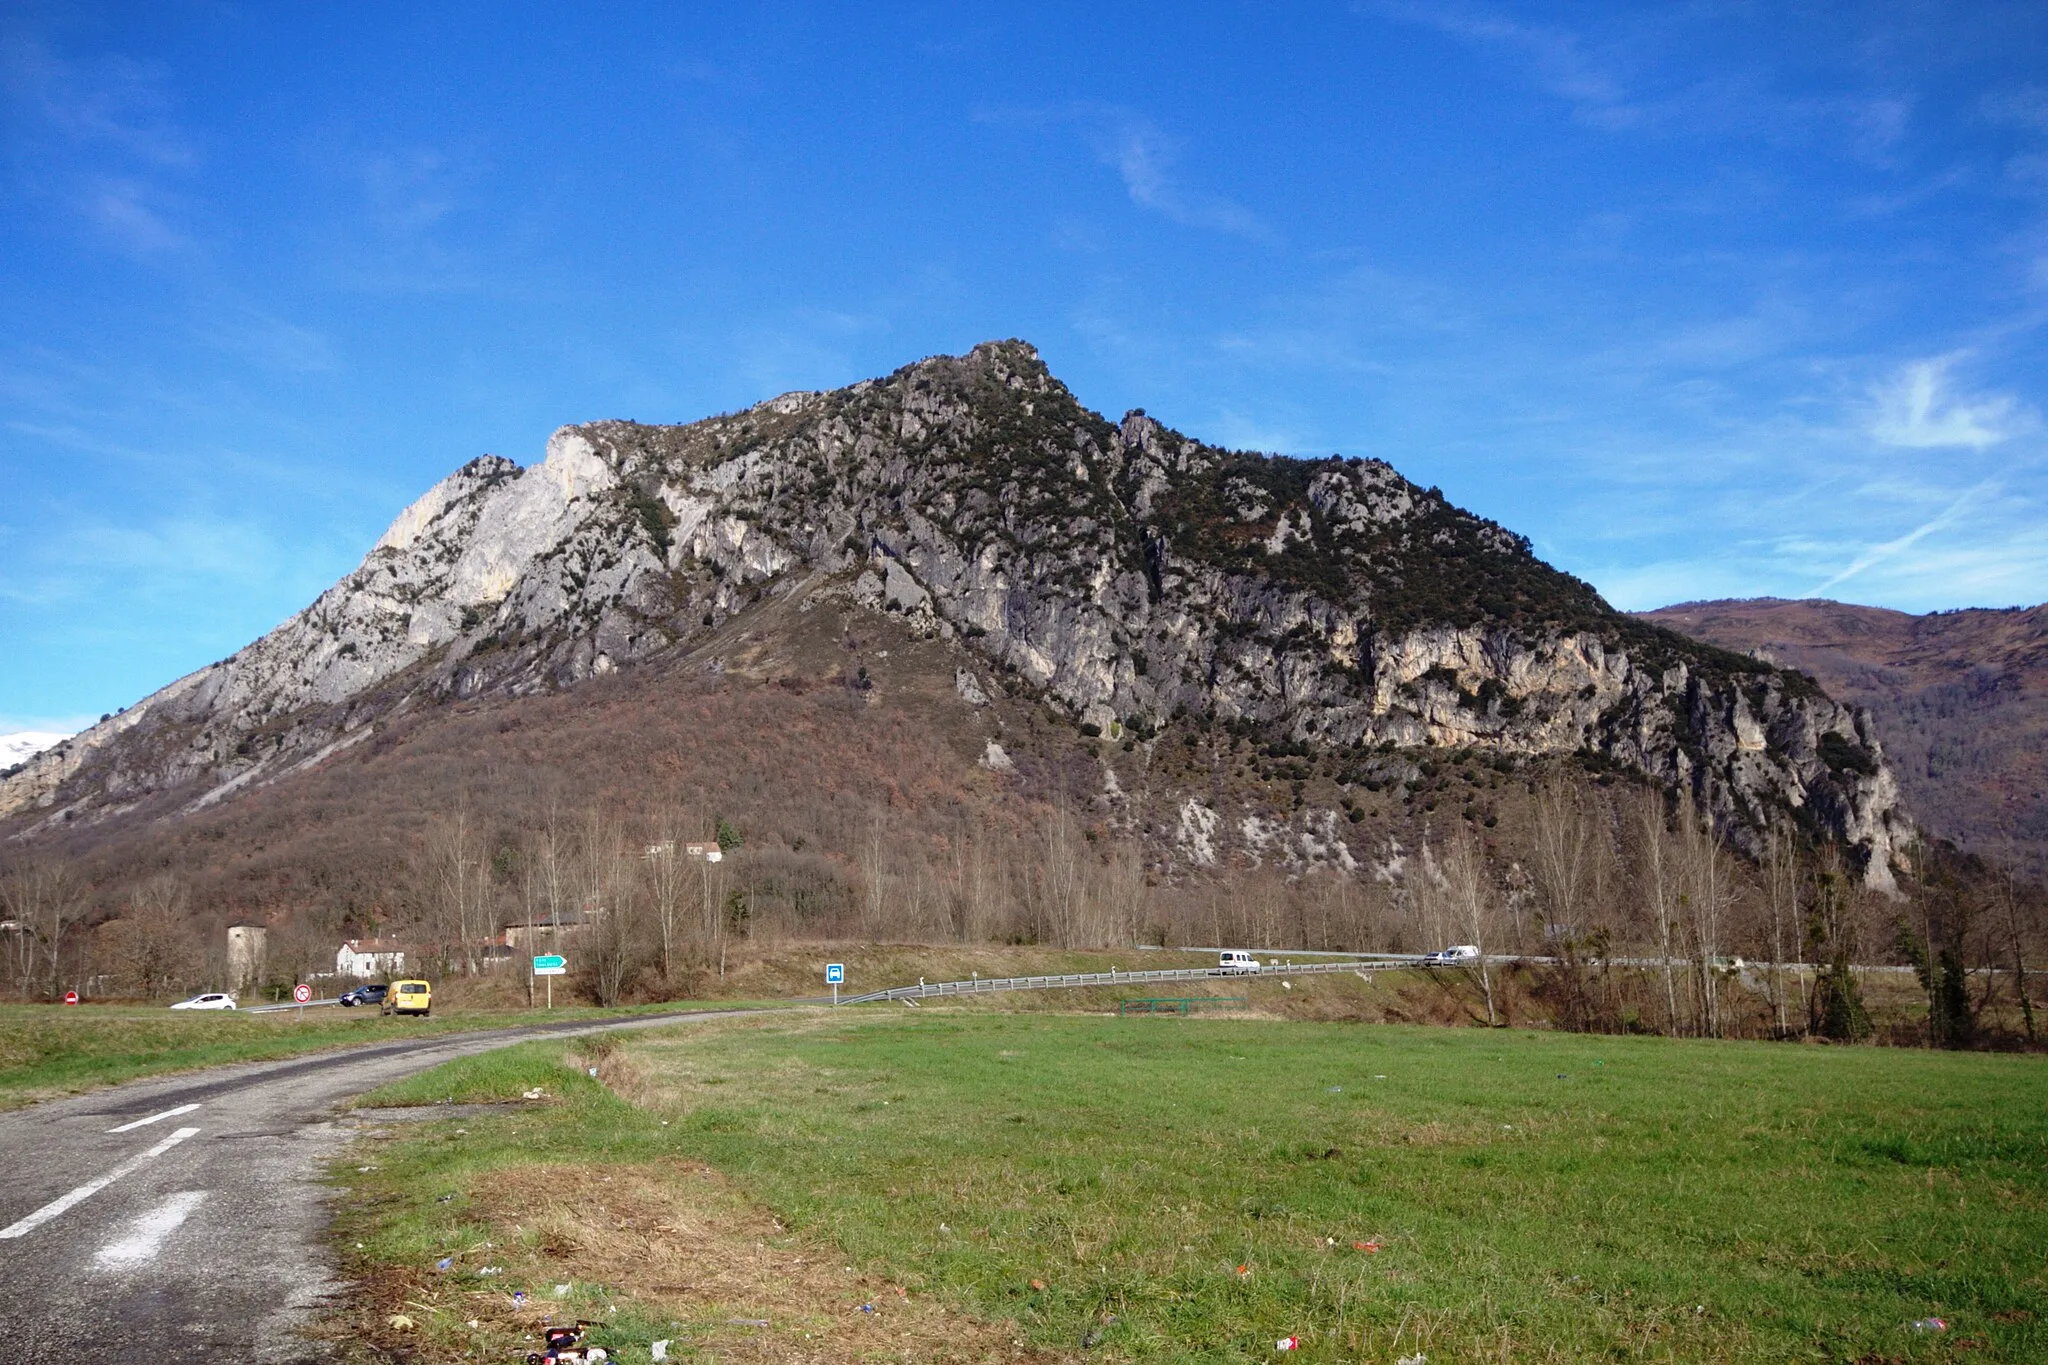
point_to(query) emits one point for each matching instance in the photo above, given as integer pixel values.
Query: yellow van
(409, 997)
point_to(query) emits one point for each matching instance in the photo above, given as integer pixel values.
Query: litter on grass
(444, 1263)
(1417, 1359)
(659, 1350)
(1287, 1344)
(1931, 1325)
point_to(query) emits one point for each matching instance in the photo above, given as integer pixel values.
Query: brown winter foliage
(833, 754)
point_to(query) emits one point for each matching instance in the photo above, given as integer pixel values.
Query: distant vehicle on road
(212, 1000)
(1237, 962)
(1452, 956)
(409, 997)
(372, 994)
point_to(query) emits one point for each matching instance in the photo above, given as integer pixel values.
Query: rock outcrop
(1128, 574)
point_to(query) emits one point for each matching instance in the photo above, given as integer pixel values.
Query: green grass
(48, 1050)
(1534, 1195)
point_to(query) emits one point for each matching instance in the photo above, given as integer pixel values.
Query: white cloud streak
(1878, 554)
(1917, 408)
(1143, 156)
(97, 139)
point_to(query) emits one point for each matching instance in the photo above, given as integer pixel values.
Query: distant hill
(1959, 698)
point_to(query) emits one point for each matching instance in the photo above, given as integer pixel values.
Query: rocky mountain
(1129, 577)
(1960, 699)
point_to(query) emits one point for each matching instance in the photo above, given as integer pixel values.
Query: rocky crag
(1126, 574)
(1960, 699)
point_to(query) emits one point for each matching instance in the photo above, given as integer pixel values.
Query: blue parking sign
(835, 973)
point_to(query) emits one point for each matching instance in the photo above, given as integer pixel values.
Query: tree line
(1622, 907)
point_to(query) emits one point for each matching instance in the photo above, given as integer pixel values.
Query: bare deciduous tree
(152, 947)
(46, 900)
(1475, 905)
(458, 891)
(1704, 900)
(607, 886)
(1781, 878)
(1657, 884)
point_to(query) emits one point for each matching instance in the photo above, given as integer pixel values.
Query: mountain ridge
(1129, 575)
(1960, 698)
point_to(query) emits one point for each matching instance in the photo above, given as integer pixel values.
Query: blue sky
(1709, 300)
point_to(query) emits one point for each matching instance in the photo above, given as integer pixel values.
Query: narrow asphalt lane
(184, 1217)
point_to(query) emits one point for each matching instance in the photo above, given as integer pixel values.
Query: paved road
(183, 1218)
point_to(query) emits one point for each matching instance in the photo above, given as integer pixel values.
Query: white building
(367, 957)
(246, 952)
(709, 852)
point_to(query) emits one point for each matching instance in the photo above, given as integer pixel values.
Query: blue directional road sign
(835, 973)
(550, 964)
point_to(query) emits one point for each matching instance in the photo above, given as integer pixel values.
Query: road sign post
(835, 972)
(71, 997)
(550, 965)
(302, 993)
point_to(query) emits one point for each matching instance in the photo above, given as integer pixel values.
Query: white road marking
(146, 1234)
(155, 1118)
(92, 1187)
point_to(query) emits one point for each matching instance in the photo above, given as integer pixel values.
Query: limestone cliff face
(1125, 572)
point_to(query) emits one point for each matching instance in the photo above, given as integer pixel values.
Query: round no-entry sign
(302, 992)
(71, 997)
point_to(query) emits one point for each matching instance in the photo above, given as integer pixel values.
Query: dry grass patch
(674, 1240)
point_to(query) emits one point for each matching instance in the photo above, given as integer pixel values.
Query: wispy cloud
(2024, 106)
(1878, 554)
(1556, 58)
(180, 549)
(97, 139)
(1146, 158)
(266, 339)
(1918, 408)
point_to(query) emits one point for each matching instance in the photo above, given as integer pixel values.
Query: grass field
(48, 1050)
(1198, 1189)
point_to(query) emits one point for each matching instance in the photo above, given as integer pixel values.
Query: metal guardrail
(289, 1005)
(989, 985)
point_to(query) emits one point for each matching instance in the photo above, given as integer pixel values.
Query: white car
(212, 1000)
(1237, 962)
(1452, 956)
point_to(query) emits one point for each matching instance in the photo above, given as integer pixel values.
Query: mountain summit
(1127, 574)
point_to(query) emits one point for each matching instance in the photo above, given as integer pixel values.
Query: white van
(1237, 962)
